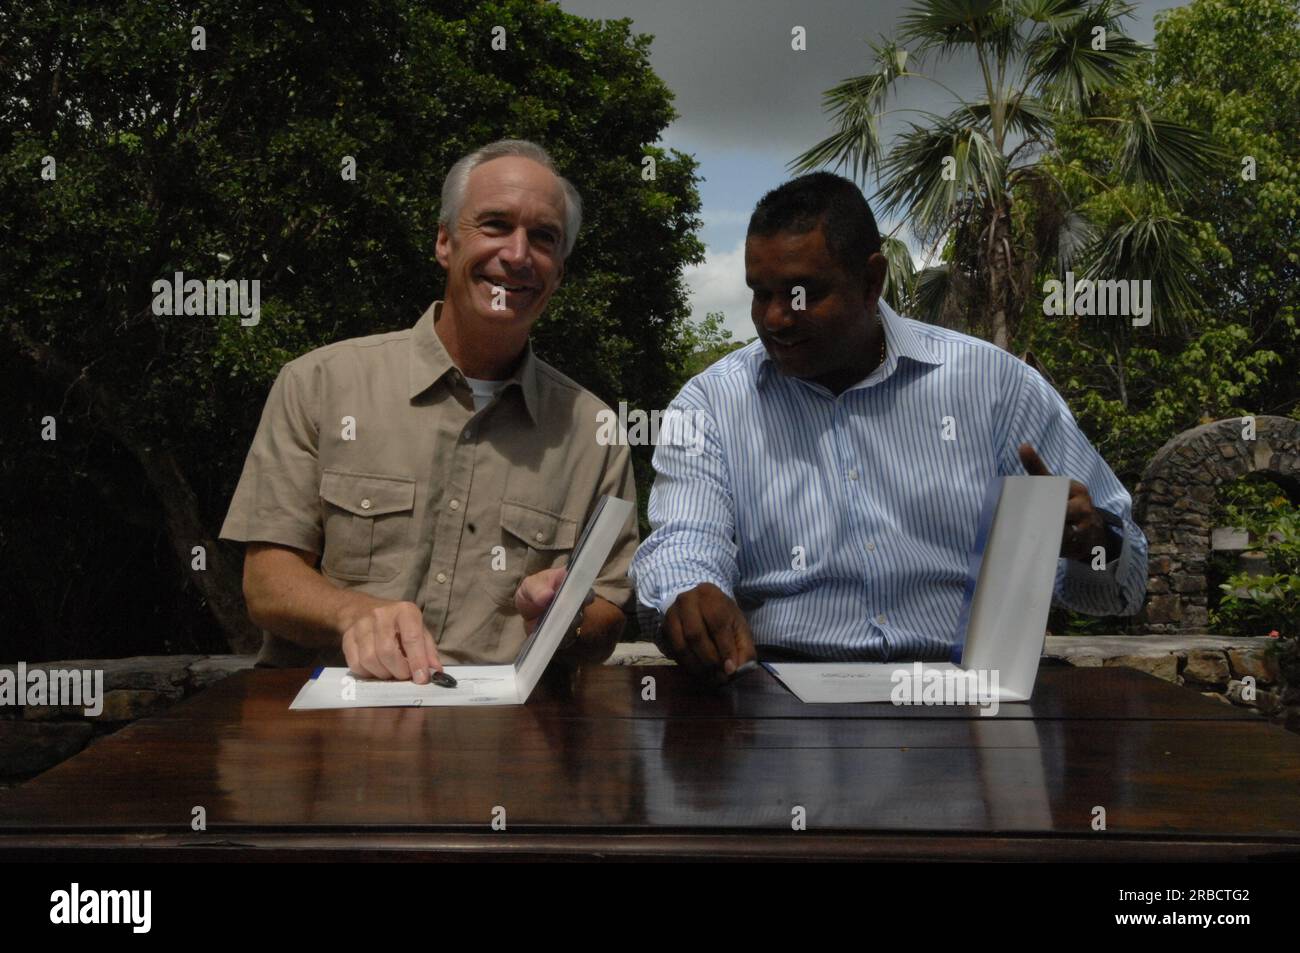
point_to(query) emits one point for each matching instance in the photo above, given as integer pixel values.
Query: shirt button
(469, 433)
(441, 577)
(539, 537)
(871, 547)
(365, 504)
(853, 474)
(881, 618)
(454, 504)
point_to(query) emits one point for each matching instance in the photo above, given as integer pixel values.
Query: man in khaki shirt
(408, 496)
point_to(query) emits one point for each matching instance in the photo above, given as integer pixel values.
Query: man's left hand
(536, 592)
(1084, 527)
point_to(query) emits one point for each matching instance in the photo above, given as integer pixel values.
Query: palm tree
(956, 178)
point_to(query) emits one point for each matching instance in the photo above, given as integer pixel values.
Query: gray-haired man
(408, 495)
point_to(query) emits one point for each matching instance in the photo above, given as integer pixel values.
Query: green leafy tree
(1229, 69)
(211, 139)
(707, 342)
(1270, 602)
(1226, 67)
(957, 179)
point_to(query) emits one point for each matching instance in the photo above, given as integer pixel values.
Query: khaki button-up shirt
(370, 454)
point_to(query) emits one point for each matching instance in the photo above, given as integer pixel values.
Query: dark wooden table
(591, 769)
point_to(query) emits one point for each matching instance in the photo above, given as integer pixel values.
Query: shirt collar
(900, 341)
(430, 362)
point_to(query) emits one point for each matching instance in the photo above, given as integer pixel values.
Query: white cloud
(723, 217)
(719, 285)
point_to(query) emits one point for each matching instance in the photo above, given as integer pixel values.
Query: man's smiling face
(827, 341)
(509, 234)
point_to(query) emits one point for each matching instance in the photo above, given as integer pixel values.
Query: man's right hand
(388, 640)
(707, 633)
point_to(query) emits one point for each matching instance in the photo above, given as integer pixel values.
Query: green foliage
(225, 163)
(1258, 605)
(1131, 399)
(1227, 69)
(1257, 505)
(706, 343)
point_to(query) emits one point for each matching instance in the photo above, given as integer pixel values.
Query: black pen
(441, 678)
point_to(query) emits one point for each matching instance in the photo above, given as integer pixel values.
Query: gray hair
(457, 181)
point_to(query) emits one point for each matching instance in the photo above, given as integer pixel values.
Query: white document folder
(1003, 622)
(487, 684)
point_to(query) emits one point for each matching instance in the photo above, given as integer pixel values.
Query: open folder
(1003, 622)
(487, 684)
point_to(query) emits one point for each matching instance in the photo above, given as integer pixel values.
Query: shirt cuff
(1084, 573)
(1107, 584)
(662, 604)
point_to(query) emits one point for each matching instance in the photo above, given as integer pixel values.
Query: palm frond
(948, 24)
(934, 168)
(1154, 247)
(1165, 154)
(856, 106)
(1027, 115)
(1055, 15)
(900, 275)
(1075, 235)
(1063, 66)
(934, 287)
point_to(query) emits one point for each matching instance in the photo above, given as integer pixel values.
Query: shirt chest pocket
(532, 539)
(368, 524)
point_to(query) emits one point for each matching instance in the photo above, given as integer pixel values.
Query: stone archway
(1174, 500)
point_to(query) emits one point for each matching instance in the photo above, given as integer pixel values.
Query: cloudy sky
(749, 103)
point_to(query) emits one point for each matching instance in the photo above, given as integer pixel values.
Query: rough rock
(1206, 667)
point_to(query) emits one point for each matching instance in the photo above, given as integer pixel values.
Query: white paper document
(487, 684)
(842, 681)
(475, 685)
(1003, 623)
(845, 682)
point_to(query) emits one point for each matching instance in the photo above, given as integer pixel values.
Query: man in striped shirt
(827, 503)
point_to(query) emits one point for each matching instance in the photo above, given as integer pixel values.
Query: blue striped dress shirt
(842, 526)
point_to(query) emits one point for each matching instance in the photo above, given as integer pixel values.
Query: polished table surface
(590, 767)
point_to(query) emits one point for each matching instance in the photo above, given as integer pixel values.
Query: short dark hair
(827, 200)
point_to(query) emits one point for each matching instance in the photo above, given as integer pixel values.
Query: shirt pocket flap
(366, 494)
(538, 528)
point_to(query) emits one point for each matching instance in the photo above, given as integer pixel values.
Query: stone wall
(1175, 499)
(1219, 668)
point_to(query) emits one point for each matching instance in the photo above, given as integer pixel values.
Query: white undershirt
(484, 391)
